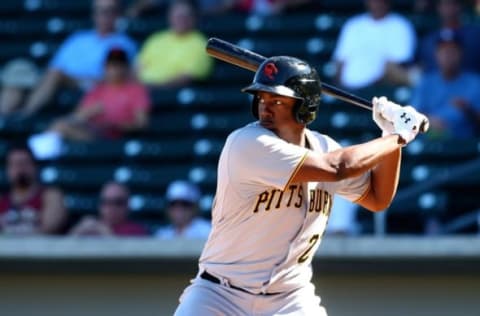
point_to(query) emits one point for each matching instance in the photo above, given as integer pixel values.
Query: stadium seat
(159, 151)
(201, 97)
(412, 173)
(208, 149)
(227, 74)
(48, 7)
(427, 150)
(220, 122)
(81, 204)
(268, 46)
(223, 26)
(431, 202)
(154, 178)
(77, 177)
(26, 29)
(142, 28)
(171, 124)
(97, 151)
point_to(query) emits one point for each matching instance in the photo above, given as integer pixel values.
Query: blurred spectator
(116, 106)
(342, 220)
(212, 7)
(268, 7)
(450, 96)
(29, 208)
(151, 7)
(113, 210)
(183, 198)
(18, 77)
(175, 57)
(423, 6)
(373, 47)
(79, 60)
(451, 18)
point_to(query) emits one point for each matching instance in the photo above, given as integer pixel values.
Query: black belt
(207, 276)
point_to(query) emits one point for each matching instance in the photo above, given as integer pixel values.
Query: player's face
(275, 111)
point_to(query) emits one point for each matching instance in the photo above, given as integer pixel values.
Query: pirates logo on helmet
(292, 77)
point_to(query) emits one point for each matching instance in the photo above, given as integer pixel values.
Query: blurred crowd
(116, 76)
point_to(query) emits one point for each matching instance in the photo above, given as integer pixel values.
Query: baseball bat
(249, 60)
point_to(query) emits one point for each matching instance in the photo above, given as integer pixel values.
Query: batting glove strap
(385, 125)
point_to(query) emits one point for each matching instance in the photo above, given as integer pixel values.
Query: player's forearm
(346, 162)
(384, 182)
(355, 160)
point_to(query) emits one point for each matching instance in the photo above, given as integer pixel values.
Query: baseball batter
(276, 181)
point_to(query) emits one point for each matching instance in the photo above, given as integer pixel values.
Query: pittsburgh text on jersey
(320, 201)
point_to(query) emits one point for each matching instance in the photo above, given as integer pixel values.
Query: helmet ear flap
(255, 105)
(297, 111)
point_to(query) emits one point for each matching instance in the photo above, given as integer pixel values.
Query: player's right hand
(393, 118)
(378, 110)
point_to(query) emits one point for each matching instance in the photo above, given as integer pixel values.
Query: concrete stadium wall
(147, 295)
(68, 280)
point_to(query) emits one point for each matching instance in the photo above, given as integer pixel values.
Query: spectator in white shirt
(373, 47)
(182, 199)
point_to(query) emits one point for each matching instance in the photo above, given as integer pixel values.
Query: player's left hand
(406, 123)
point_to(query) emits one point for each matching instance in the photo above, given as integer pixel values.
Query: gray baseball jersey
(265, 229)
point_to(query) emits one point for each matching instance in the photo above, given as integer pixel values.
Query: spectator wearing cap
(451, 15)
(116, 106)
(113, 219)
(78, 62)
(175, 57)
(449, 96)
(18, 77)
(182, 207)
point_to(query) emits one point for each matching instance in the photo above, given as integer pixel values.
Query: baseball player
(276, 181)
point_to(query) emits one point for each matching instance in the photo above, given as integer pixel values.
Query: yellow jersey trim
(300, 163)
(364, 194)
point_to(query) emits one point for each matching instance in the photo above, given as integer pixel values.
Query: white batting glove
(393, 118)
(406, 123)
(379, 107)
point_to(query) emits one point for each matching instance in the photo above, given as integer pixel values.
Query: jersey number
(311, 243)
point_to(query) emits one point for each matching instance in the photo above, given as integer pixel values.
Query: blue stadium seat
(97, 151)
(77, 177)
(143, 27)
(48, 7)
(159, 151)
(227, 74)
(200, 97)
(150, 178)
(428, 150)
(81, 204)
(224, 26)
(416, 173)
(431, 202)
(224, 122)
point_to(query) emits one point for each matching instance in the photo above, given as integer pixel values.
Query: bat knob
(424, 125)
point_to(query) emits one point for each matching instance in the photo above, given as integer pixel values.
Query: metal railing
(440, 178)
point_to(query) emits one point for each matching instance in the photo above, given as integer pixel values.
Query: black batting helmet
(292, 77)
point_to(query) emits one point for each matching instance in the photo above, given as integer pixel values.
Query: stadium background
(371, 275)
